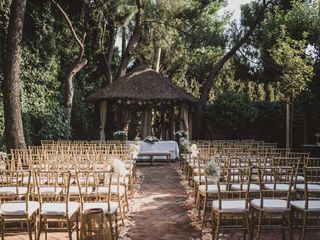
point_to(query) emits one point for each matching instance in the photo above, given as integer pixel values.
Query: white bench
(153, 154)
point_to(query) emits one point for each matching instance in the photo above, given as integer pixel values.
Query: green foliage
(295, 66)
(232, 111)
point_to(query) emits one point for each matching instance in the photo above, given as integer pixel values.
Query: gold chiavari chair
(99, 197)
(208, 192)
(307, 210)
(272, 205)
(20, 210)
(57, 209)
(231, 209)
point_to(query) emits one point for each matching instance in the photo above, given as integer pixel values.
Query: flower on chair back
(212, 169)
(118, 167)
(193, 150)
(134, 150)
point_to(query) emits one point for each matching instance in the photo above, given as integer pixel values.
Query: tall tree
(12, 106)
(79, 63)
(296, 71)
(132, 41)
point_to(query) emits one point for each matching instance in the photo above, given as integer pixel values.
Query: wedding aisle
(162, 213)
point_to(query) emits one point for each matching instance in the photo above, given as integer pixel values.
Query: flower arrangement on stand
(120, 135)
(184, 144)
(151, 139)
(181, 134)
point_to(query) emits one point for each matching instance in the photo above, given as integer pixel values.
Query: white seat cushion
(18, 208)
(253, 187)
(311, 187)
(59, 208)
(313, 205)
(103, 205)
(8, 190)
(114, 190)
(74, 190)
(300, 178)
(48, 190)
(212, 189)
(270, 205)
(267, 178)
(281, 187)
(198, 179)
(230, 206)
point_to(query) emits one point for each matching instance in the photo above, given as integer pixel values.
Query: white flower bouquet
(134, 150)
(212, 169)
(118, 167)
(193, 150)
(151, 139)
(120, 135)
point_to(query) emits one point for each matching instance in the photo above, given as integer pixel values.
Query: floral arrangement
(193, 150)
(184, 144)
(151, 139)
(134, 149)
(118, 167)
(212, 169)
(120, 135)
(181, 134)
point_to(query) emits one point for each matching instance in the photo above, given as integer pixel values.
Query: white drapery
(103, 115)
(185, 118)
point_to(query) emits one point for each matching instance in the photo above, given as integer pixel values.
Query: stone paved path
(162, 214)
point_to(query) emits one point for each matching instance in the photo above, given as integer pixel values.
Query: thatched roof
(143, 84)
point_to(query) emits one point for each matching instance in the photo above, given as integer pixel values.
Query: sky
(234, 6)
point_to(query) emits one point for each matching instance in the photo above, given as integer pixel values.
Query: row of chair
(252, 185)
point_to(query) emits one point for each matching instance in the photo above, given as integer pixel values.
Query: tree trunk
(132, 41)
(77, 66)
(12, 106)
(288, 125)
(79, 63)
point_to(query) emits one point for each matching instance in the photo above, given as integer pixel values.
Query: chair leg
(218, 227)
(39, 228)
(45, 229)
(69, 228)
(204, 210)
(77, 226)
(2, 228)
(116, 225)
(252, 223)
(303, 233)
(29, 228)
(247, 223)
(289, 219)
(111, 227)
(259, 225)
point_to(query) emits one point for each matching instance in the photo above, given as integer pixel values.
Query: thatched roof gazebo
(147, 88)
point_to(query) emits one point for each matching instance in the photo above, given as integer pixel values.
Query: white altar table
(161, 146)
